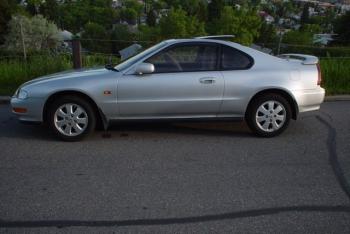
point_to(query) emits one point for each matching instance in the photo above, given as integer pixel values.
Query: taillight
(319, 79)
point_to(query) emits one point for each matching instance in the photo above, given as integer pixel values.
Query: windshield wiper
(111, 67)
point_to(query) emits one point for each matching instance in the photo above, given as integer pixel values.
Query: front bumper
(29, 109)
(309, 100)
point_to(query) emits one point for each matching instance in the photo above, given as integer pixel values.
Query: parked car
(200, 78)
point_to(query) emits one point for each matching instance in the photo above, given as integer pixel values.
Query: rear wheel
(268, 115)
(71, 118)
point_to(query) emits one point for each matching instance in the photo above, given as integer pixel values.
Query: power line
(110, 40)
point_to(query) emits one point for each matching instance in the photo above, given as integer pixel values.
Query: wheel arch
(288, 96)
(99, 114)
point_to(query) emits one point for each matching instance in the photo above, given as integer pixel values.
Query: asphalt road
(178, 178)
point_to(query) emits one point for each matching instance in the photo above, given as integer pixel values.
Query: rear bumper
(310, 99)
(30, 109)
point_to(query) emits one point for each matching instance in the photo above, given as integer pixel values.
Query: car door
(240, 81)
(185, 83)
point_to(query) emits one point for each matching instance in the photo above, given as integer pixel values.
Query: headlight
(22, 94)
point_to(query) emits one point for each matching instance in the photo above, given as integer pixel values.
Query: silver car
(201, 78)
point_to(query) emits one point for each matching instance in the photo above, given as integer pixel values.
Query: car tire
(71, 118)
(268, 115)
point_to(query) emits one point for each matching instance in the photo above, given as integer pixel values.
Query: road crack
(169, 221)
(333, 156)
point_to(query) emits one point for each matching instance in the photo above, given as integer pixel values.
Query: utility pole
(279, 43)
(146, 6)
(76, 49)
(22, 39)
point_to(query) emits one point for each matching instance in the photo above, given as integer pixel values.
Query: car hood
(70, 74)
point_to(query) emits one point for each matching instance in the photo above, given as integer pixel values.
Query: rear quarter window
(233, 59)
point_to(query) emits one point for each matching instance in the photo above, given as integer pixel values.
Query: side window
(185, 58)
(233, 59)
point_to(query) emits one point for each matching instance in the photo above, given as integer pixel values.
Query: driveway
(178, 178)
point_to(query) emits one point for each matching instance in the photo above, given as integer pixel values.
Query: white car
(200, 78)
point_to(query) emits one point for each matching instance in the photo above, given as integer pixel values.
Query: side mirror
(144, 68)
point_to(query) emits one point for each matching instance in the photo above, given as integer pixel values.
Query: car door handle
(207, 80)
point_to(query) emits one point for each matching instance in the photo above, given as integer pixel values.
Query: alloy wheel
(71, 119)
(270, 116)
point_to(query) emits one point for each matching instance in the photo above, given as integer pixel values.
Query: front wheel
(268, 115)
(71, 118)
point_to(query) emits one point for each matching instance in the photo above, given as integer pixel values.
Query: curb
(5, 99)
(335, 98)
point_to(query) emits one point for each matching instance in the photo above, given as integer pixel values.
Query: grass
(14, 71)
(336, 75)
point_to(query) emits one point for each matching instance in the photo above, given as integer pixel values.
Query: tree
(76, 14)
(255, 3)
(190, 6)
(283, 8)
(156, 5)
(311, 28)
(305, 16)
(341, 27)
(129, 15)
(151, 18)
(121, 37)
(36, 33)
(295, 37)
(133, 7)
(92, 38)
(33, 6)
(325, 21)
(50, 10)
(202, 15)
(5, 17)
(148, 35)
(100, 12)
(243, 23)
(174, 24)
(267, 34)
(194, 27)
(304, 36)
(133, 4)
(178, 25)
(215, 8)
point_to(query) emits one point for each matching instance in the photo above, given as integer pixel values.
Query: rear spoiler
(306, 59)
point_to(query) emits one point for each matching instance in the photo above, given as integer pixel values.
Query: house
(268, 18)
(117, 4)
(344, 8)
(323, 39)
(66, 35)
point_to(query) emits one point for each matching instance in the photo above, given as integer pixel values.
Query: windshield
(127, 63)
